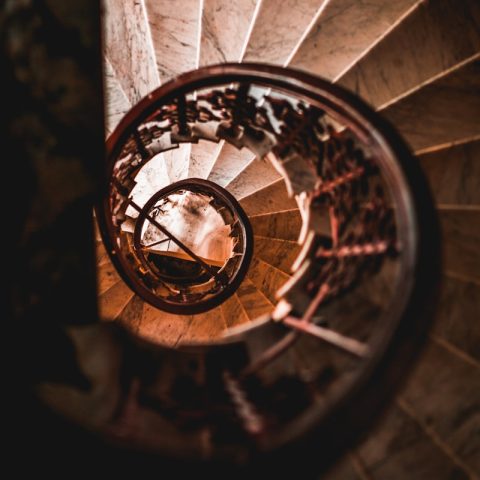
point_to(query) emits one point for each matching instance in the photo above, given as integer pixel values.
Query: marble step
(279, 253)
(233, 312)
(266, 278)
(175, 34)
(177, 162)
(451, 415)
(204, 327)
(130, 317)
(128, 46)
(398, 448)
(278, 28)
(116, 101)
(253, 301)
(344, 30)
(284, 225)
(422, 46)
(114, 300)
(442, 112)
(101, 254)
(107, 276)
(225, 29)
(461, 240)
(256, 175)
(457, 315)
(454, 174)
(230, 162)
(203, 156)
(270, 199)
(162, 327)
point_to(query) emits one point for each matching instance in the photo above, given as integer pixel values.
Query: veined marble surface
(253, 301)
(116, 102)
(273, 198)
(131, 315)
(114, 300)
(174, 27)
(279, 253)
(175, 30)
(177, 162)
(205, 326)
(225, 25)
(461, 238)
(129, 48)
(442, 112)
(423, 45)
(459, 303)
(254, 176)
(202, 158)
(224, 29)
(344, 31)
(229, 164)
(278, 28)
(454, 174)
(283, 225)
(442, 370)
(162, 327)
(233, 312)
(107, 277)
(266, 278)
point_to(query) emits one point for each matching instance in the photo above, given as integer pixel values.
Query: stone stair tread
(112, 302)
(346, 22)
(284, 225)
(205, 326)
(253, 301)
(202, 158)
(266, 278)
(442, 112)
(279, 253)
(117, 103)
(107, 276)
(131, 315)
(454, 174)
(461, 240)
(233, 312)
(101, 253)
(178, 24)
(398, 448)
(271, 199)
(229, 163)
(457, 315)
(278, 28)
(162, 327)
(128, 46)
(422, 46)
(453, 414)
(255, 176)
(225, 27)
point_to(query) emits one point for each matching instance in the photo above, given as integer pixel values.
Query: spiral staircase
(279, 353)
(417, 63)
